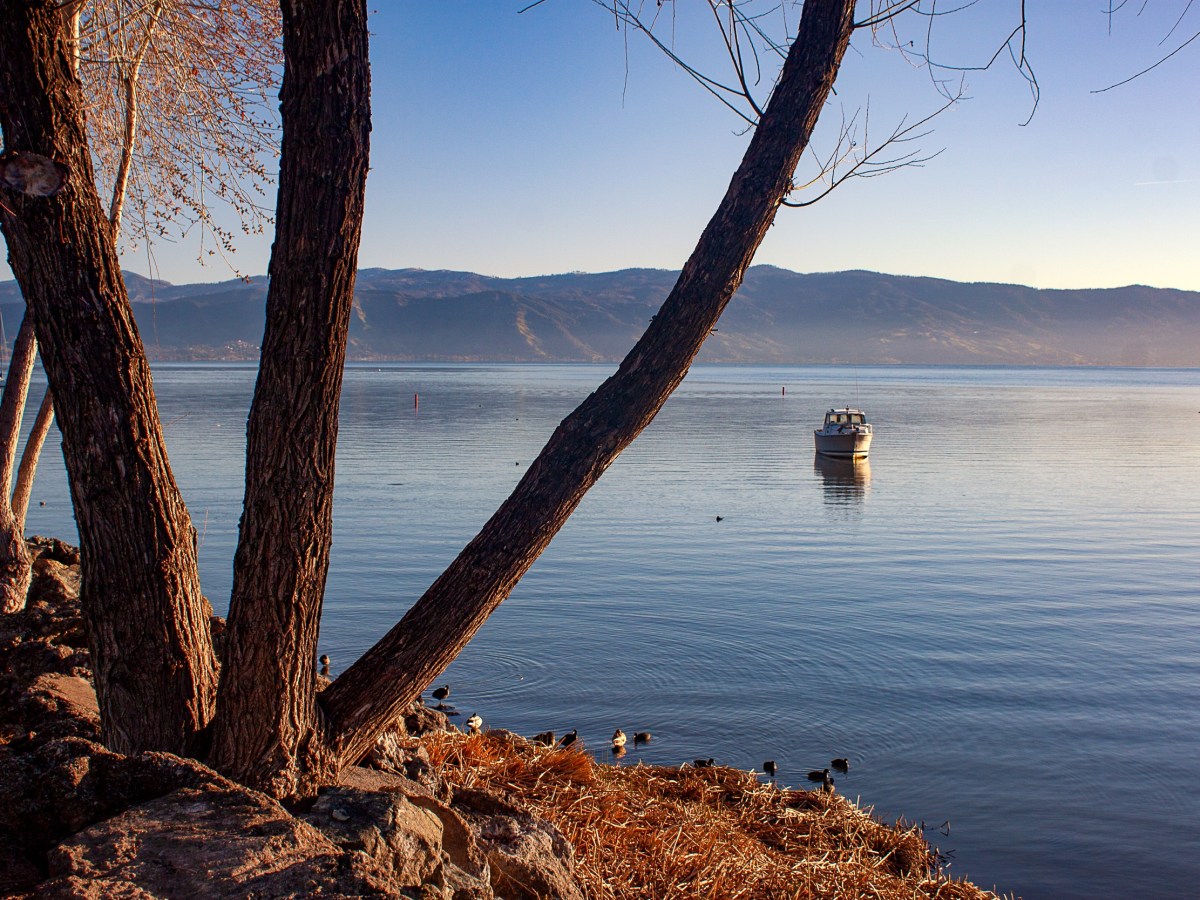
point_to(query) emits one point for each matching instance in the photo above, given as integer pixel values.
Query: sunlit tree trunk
(267, 732)
(129, 95)
(392, 673)
(14, 554)
(147, 621)
(29, 458)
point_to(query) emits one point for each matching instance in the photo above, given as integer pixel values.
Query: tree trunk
(130, 70)
(267, 733)
(392, 673)
(29, 458)
(146, 618)
(14, 554)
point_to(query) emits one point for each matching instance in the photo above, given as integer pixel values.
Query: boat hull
(849, 445)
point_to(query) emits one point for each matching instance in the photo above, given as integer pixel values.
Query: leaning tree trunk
(29, 458)
(267, 732)
(14, 553)
(391, 674)
(147, 621)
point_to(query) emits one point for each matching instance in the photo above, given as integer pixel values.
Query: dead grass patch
(685, 834)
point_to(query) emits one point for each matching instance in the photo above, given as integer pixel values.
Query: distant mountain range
(777, 317)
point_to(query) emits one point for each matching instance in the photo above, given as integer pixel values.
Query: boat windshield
(841, 418)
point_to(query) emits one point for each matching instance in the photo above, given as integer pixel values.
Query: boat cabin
(845, 417)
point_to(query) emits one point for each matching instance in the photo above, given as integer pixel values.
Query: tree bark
(14, 554)
(267, 732)
(392, 673)
(147, 621)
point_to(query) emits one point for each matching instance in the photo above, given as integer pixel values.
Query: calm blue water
(997, 621)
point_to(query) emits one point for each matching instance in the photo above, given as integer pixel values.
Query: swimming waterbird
(770, 768)
(569, 738)
(618, 739)
(642, 737)
(841, 764)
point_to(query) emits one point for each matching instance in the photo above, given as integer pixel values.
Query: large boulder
(56, 788)
(416, 841)
(212, 841)
(529, 858)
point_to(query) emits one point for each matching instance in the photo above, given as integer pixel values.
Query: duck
(841, 764)
(704, 763)
(545, 738)
(819, 775)
(324, 661)
(618, 739)
(642, 737)
(770, 768)
(720, 518)
(441, 693)
(569, 738)
(474, 723)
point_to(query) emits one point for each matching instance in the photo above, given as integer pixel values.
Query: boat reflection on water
(846, 481)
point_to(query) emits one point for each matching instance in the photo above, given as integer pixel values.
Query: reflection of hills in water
(846, 481)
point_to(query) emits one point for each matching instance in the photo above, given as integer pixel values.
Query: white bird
(618, 739)
(474, 723)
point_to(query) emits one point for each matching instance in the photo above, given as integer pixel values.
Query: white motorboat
(846, 434)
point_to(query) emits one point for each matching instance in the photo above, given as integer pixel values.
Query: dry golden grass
(653, 832)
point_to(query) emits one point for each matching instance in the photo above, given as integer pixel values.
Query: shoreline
(431, 812)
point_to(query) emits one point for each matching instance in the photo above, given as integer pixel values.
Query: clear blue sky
(548, 142)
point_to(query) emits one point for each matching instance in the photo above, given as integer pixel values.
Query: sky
(524, 143)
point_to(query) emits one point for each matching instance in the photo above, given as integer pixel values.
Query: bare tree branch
(1148, 68)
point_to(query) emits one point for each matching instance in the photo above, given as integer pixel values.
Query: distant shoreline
(776, 318)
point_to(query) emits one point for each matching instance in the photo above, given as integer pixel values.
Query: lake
(997, 620)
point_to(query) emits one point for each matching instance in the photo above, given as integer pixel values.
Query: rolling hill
(778, 316)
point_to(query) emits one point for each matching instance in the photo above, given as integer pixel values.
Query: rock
(213, 841)
(59, 581)
(59, 787)
(405, 839)
(529, 858)
(396, 752)
(218, 628)
(18, 873)
(53, 548)
(463, 851)
(67, 698)
(73, 887)
(365, 779)
(419, 720)
(389, 752)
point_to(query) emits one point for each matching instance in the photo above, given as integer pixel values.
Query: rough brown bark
(267, 733)
(14, 554)
(391, 674)
(147, 620)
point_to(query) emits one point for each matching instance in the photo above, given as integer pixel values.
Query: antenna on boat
(857, 400)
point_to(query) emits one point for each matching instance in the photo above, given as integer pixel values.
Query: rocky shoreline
(431, 813)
